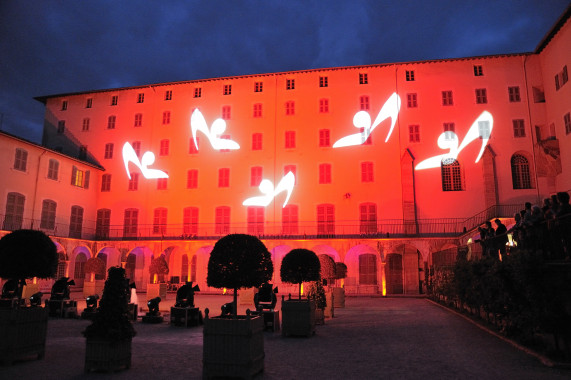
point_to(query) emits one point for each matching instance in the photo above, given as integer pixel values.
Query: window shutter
(73, 175)
(86, 180)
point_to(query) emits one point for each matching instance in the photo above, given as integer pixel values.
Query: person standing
(501, 239)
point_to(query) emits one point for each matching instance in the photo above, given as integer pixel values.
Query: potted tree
(157, 271)
(298, 315)
(234, 344)
(328, 276)
(95, 277)
(24, 254)
(316, 293)
(339, 291)
(108, 343)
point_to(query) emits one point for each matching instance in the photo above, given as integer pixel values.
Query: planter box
(107, 356)
(23, 333)
(233, 347)
(91, 288)
(339, 297)
(298, 317)
(319, 316)
(157, 290)
(185, 316)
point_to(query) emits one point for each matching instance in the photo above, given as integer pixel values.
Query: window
(227, 89)
(61, 127)
(111, 122)
(324, 140)
(519, 128)
(141, 98)
(134, 182)
(137, 147)
(478, 71)
(53, 169)
(138, 120)
(162, 183)
(411, 100)
(258, 86)
(567, 122)
(367, 172)
(85, 126)
(410, 75)
(368, 218)
(323, 105)
(367, 269)
(290, 84)
(168, 95)
(514, 95)
(48, 220)
(224, 177)
(484, 129)
(255, 176)
(255, 220)
(222, 220)
(256, 141)
(451, 175)
(325, 219)
(449, 131)
(103, 223)
(64, 105)
(363, 78)
(226, 112)
(290, 139)
(323, 81)
(14, 211)
(164, 149)
(193, 149)
(324, 173)
(290, 107)
(447, 99)
(197, 92)
(481, 96)
(160, 221)
(292, 169)
(521, 178)
(192, 179)
(79, 178)
(258, 110)
(114, 100)
(166, 117)
(190, 220)
(414, 133)
(364, 103)
(289, 220)
(76, 222)
(108, 151)
(89, 103)
(105, 183)
(564, 75)
(225, 137)
(82, 152)
(130, 222)
(21, 160)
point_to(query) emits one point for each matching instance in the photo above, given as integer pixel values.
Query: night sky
(51, 47)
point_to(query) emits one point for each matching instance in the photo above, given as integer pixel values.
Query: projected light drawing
(481, 128)
(362, 120)
(198, 123)
(267, 188)
(129, 155)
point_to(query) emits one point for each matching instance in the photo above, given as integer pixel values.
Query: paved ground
(372, 338)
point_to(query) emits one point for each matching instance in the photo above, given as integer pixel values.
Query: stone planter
(233, 347)
(298, 317)
(107, 356)
(23, 333)
(339, 297)
(157, 290)
(91, 288)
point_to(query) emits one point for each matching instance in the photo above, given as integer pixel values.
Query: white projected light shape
(481, 128)
(129, 155)
(267, 188)
(362, 120)
(198, 123)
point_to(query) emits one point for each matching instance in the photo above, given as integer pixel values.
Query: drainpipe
(531, 129)
(36, 188)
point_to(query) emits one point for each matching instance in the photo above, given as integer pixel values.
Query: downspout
(36, 188)
(531, 130)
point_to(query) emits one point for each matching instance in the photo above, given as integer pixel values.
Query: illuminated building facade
(377, 166)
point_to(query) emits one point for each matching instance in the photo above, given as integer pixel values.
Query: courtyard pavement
(371, 338)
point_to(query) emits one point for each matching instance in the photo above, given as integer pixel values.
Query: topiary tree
(327, 271)
(96, 266)
(300, 265)
(239, 261)
(26, 254)
(159, 267)
(316, 293)
(340, 270)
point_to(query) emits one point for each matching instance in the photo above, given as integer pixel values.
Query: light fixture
(36, 299)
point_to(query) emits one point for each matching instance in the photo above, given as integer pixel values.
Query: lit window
(80, 178)
(222, 220)
(134, 182)
(192, 179)
(367, 269)
(258, 86)
(114, 100)
(290, 84)
(106, 183)
(449, 131)
(164, 149)
(85, 126)
(451, 175)
(190, 221)
(514, 95)
(130, 222)
(141, 98)
(53, 169)
(137, 147)
(368, 218)
(168, 95)
(256, 141)
(325, 219)
(367, 172)
(227, 89)
(64, 105)
(323, 81)
(289, 220)
(162, 183)
(478, 71)
(324, 140)
(521, 178)
(323, 105)
(567, 121)
(447, 99)
(414, 133)
(363, 78)
(224, 177)
(364, 103)
(258, 110)
(48, 220)
(197, 92)
(410, 75)
(76, 222)
(21, 160)
(225, 137)
(290, 107)
(255, 220)
(166, 117)
(111, 122)
(484, 129)
(255, 176)
(192, 149)
(324, 173)
(138, 119)
(411, 100)
(226, 112)
(102, 224)
(89, 103)
(108, 151)
(61, 127)
(481, 96)
(292, 169)
(290, 139)
(519, 128)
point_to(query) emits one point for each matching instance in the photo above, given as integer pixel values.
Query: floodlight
(91, 302)
(185, 295)
(36, 299)
(153, 305)
(60, 289)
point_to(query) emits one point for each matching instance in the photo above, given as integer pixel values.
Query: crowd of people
(545, 228)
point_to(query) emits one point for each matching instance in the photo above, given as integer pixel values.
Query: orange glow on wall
(384, 285)
(155, 278)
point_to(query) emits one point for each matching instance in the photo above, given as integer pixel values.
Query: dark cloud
(50, 47)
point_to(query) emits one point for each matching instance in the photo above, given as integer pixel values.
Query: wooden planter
(23, 333)
(298, 317)
(107, 356)
(339, 297)
(233, 347)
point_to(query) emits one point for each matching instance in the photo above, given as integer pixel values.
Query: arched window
(451, 175)
(130, 267)
(184, 269)
(367, 269)
(61, 265)
(193, 269)
(79, 269)
(521, 178)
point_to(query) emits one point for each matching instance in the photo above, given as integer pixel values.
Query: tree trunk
(235, 308)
